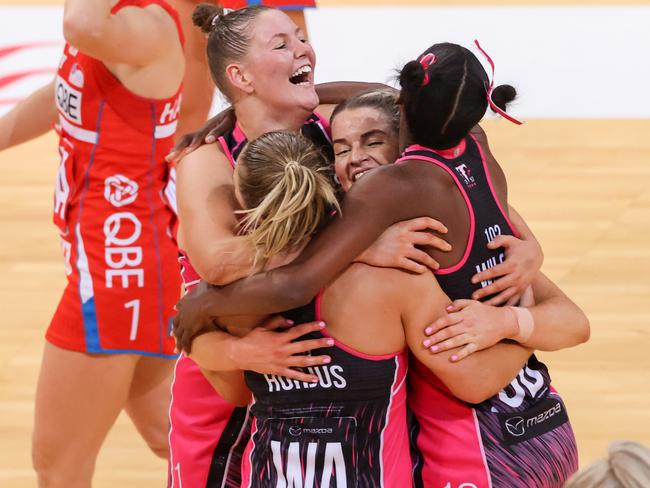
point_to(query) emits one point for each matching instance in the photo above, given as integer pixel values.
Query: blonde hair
(284, 182)
(628, 466)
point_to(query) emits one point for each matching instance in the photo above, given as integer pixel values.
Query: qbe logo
(120, 190)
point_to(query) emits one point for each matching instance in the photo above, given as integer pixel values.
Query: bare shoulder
(386, 285)
(206, 161)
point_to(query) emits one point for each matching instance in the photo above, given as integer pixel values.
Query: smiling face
(280, 64)
(363, 139)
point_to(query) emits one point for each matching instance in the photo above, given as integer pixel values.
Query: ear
(239, 78)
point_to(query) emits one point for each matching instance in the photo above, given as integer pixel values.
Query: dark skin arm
(385, 196)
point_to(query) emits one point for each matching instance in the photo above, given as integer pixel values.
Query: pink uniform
(208, 434)
(348, 429)
(521, 437)
(113, 205)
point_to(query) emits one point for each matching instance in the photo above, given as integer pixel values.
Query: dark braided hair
(445, 99)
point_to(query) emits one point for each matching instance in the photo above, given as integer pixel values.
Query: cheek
(340, 168)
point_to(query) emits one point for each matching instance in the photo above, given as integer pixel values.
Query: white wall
(567, 62)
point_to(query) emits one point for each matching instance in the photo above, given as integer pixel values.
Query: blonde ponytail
(285, 184)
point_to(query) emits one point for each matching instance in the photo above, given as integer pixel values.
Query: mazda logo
(295, 431)
(515, 426)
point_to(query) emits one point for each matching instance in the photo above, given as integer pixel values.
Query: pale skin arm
(206, 206)
(29, 119)
(89, 26)
(477, 378)
(559, 323)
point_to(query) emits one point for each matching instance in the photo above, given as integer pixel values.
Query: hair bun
(502, 95)
(204, 15)
(412, 75)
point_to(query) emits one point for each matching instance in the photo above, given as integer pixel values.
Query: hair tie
(493, 105)
(427, 61)
(219, 16)
(292, 165)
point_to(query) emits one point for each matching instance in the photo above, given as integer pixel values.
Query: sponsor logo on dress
(466, 175)
(76, 77)
(537, 421)
(120, 190)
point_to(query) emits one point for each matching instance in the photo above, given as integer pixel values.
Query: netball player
(108, 346)
(198, 87)
(447, 116)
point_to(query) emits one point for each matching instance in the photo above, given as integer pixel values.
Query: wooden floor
(582, 185)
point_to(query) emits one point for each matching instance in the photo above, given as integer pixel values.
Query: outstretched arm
(29, 119)
(383, 197)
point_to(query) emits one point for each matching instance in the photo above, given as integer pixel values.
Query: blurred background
(578, 171)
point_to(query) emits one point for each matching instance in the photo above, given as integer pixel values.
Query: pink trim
(472, 225)
(226, 150)
(348, 349)
(494, 194)
(325, 125)
(451, 153)
(479, 439)
(238, 134)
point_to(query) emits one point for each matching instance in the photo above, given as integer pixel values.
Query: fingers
(426, 239)
(493, 273)
(309, 345)
(295, 374)
(459, 305)
(441, 324)
(302, 329)
(435, 342)
(496, 286)
(423, 258)
(306, 361)
(423, 223)
(277, 322)
(469, 349)
(408, 265)
(503, 297)
(502, 241)
(211, 136)
(453, 343)
(514, 300)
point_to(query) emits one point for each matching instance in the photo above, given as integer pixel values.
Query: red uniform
(113, 204)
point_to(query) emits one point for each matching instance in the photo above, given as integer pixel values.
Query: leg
(198, 87)
(78, 398)
(148, 402)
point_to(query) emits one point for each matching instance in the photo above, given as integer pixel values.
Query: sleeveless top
(121, 136)
(523, 420)
(234, 422)
(348, 429)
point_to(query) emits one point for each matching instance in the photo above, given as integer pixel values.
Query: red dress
(113, 204)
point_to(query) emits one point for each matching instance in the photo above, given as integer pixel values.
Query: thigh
(78, 398)
(148, 401)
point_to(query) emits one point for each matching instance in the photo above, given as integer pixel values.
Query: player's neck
(256, 119)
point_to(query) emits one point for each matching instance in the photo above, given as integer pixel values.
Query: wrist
(525, 324)
(234, 353)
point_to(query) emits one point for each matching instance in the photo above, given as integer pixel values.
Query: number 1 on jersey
(135, 305)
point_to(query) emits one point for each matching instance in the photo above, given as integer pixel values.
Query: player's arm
(230, 385)
(134, 35)
(206, 206)
(383, 197)
(558, 323)
(30, 118)
(477, 378)
(332, 93)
